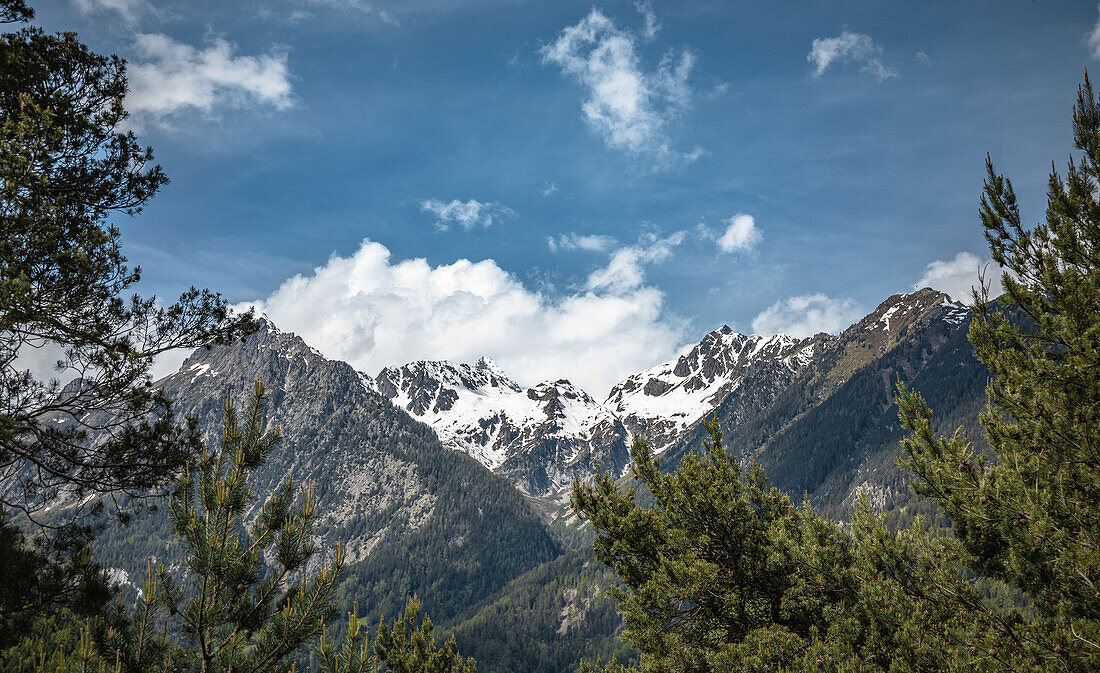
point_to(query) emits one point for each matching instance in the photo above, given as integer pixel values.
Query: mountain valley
(452, 482)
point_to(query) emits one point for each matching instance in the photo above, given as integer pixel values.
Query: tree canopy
(1027, 514)
(68, 165)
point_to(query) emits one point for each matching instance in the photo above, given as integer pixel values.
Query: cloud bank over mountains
(374, 311)
(958, 276)
(806, 315)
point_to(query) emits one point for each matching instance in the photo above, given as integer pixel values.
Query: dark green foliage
(406, 647)
(243, 603)
(50, 570)
(12, 11)
(1027, 516)
(57, 642)
(481, 535)
(547, 620)
(723, 573)
(66, 167)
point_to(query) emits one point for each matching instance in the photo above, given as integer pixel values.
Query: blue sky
(621, 177)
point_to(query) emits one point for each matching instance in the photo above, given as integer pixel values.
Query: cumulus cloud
(549, 188)
(129, 10)
(806, 315)
(849, 47)
(626, 105)
(373, 311)
(167, 77)
(958, 276)
(467, 215)
(741, 234)
(585, 242)
(625, 270)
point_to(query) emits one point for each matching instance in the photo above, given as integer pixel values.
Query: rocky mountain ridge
(416, 467)
(543, 437)
(832, 431)
(415, 517)
(660, 403)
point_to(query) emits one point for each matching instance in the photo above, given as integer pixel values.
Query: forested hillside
(547, 619)
(833, 431)
(415, 518)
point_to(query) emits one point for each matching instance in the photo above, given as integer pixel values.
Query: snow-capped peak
(660, 402)
(479, 410)
(888, 322)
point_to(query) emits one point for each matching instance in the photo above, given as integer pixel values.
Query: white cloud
(923, 57)
(649, 30)
(467, 215)
(853, 47)
(40, 359)
(586, 242)
(806, 315)
(625, 270)
(129, 10)
(1094, 39)
(549, 188)
(740, 235)
(958, 276)
(629, 107)
(168, 77)
(373, 311)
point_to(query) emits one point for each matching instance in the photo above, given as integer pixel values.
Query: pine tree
(67, 166)
(407, 647)
(244, 602)
(1029, 515)
(723, 573)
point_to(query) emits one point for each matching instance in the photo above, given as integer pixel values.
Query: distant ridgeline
(451, 482)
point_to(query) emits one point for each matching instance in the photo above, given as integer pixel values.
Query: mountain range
(451, 481)
(542, 438)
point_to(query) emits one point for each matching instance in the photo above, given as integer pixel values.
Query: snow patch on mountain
(478, 409)
(661, 402)
(957, 313)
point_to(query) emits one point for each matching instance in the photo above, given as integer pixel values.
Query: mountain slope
(416, 517)
(661, 403)
(547, 620)
(837, 420)
(539, 438)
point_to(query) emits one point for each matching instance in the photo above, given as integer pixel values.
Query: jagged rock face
(660, 403)
(831, 431)
(335, 431)
(893, 321)
(540, 438)
(543, 437)
(385, 484)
